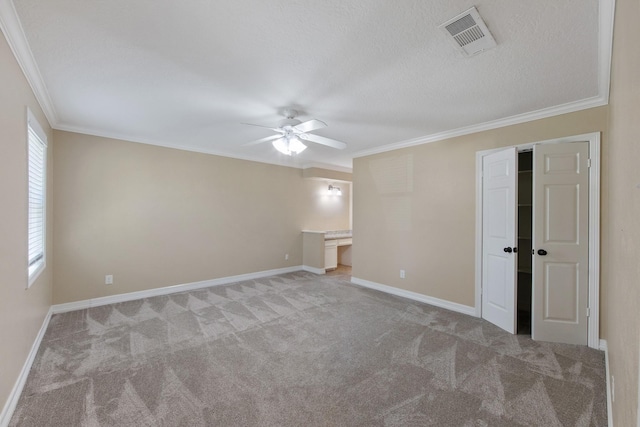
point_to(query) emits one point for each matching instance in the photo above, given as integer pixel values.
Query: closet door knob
(508, 250)
(542, 252)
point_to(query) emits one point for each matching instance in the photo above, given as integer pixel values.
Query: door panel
(499, 232)
(561, 221)
(560, 278)
(561, 292)
(497, 223)
(497, 274)
(560, 163)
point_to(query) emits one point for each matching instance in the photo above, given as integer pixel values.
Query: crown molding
(570, 107)
(14, 33)
(191, 148)
(327, 166)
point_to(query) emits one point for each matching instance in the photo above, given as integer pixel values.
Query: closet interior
(525, 236)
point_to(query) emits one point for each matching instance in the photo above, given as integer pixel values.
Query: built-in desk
(322, 250)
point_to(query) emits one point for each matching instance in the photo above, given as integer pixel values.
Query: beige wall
(414, 208)
(22, 310)
(326, 212)
(622, 275)
(156, 217)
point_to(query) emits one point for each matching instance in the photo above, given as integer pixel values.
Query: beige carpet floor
(302, 350)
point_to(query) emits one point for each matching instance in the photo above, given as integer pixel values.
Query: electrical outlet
(402, 275)
(108, 279)
(286, 257)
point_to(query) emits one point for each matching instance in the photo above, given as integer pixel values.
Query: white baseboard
(14, 396)
(130, 296)
(453, 306)
(604, 347)
(314, 269)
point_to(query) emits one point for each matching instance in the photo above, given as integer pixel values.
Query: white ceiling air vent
(469, 32)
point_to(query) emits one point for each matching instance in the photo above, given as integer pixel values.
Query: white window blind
(37, 158)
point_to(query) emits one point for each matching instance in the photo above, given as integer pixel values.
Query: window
(37, 162)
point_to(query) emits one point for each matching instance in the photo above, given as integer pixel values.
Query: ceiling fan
(291, 132)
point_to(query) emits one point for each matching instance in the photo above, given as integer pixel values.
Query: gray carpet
(301, 350)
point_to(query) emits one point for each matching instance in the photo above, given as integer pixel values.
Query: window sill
(34, 272)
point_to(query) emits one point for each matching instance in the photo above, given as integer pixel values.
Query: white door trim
(593, 337)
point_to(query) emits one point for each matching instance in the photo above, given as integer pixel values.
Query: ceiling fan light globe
(289, 146)
(296, 146)
(282, 146)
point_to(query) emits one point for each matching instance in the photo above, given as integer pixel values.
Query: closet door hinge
(588, 163)
(588, 312)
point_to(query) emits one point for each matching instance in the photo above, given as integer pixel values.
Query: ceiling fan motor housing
(289, 122)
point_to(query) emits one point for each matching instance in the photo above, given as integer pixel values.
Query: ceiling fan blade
(259, 141)
(266, 127)
(309, 125)
(322, 140)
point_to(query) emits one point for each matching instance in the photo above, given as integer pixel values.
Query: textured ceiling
(378, 72)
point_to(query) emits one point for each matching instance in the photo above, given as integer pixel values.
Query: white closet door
(561, 242)
(499, 206)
